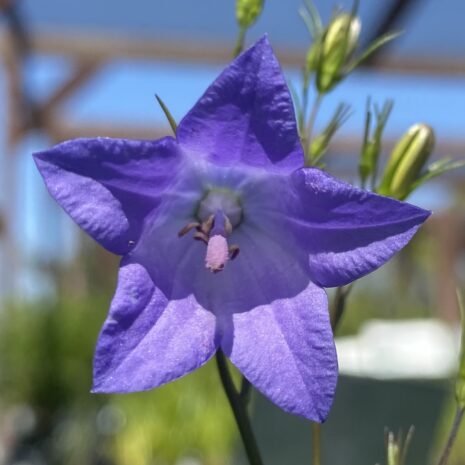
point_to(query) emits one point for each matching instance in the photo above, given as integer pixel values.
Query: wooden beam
(106, 47)
(84, 71)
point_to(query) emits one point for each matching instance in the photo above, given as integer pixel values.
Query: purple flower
(271, 234)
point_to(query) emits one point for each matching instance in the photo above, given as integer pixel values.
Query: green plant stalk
(239, 411)
(240, 42)
(452, 435)
(310, 125)
(339, 304)
(316, 443)
(303, 113)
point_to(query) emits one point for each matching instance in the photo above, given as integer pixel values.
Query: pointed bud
(393, 452)
(372, 140)
(339, 43)
(247, 12)
(311, 61)
(407, 161)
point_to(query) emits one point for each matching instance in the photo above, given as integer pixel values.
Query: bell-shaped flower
(226, 241)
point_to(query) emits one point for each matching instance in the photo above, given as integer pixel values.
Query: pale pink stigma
(217, 253)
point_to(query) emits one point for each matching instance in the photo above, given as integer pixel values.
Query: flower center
(219, 212)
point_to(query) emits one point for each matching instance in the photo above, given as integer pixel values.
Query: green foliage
(319, 144)
(371, 147)
(46, 363)
(189, 417)
(397, 447)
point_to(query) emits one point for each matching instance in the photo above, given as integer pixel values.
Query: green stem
(316, 444)
(240, 42)
(310, 125)
(339, 305)
(239, 411)
(246, 391)
(452, 435)
(303, 113)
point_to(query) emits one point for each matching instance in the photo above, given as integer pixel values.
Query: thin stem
(452, 435)
(240, 42)
(310, 125)
(239, 411)
(339, 305)
(303, 114)
(246, 390)
(316, 444)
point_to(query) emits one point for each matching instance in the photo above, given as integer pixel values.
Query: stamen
(201, 236)
(234, 251)
(188, 228)
(207, 225)
(219, 213)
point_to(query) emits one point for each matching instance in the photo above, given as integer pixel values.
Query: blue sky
(124, 91)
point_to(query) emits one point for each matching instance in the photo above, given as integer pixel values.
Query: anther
(201, 236)
(233, 251)
(207, 225)
(213, 231)
(188, 228)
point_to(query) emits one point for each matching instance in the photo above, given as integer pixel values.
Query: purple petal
(245, 116)
(148, 339)
(286, 350)
(347, 232)
(108, 186)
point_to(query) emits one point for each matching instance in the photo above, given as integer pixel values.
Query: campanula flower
(226, 241)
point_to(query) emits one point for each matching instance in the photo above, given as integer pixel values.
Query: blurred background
(89, 68)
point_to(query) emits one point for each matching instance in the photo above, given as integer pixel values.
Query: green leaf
(436, 169)
(314, 17)
(371, 148)
(168, 114)
(378, 43)
(319, 145)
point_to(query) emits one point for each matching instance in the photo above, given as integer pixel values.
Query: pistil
(217, 246)
(214, 232)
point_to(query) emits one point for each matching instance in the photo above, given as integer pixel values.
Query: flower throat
(219, 212)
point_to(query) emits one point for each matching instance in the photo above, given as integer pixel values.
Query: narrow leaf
(168, 114)
(379, 42)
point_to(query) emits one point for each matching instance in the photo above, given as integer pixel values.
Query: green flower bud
(312, 59)
(247, 12)
(371, 148)
(339, 43)
(393, 450)
(407, 161)
(369, 158)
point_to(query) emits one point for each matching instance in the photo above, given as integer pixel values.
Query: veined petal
(148, 339)
(245, 116)
(108, 186)
(286, 350)
(347, 232)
